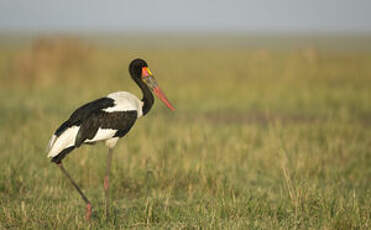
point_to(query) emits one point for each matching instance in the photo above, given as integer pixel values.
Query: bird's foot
(88, 211)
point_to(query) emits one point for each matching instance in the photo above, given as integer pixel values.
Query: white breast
(125, 101)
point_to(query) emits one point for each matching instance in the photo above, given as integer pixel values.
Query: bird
(105, 119)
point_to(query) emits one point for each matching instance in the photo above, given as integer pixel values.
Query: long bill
(161, 95)
(153, 85)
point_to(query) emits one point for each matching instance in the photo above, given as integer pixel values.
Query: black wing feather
(90, 117)
(82, 113)
(120, 121)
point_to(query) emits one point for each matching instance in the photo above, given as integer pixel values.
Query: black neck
(148, 98)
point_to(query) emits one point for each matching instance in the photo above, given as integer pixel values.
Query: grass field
(264, 136)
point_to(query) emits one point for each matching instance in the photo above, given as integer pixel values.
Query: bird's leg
(106, 180)
(88, 204)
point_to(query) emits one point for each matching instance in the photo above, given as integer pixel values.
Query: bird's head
(139, 71)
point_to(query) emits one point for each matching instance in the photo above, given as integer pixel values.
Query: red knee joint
(106, 183)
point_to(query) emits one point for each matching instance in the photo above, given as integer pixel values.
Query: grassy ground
(262, 138)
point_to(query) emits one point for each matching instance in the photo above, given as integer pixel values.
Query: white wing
(65, 140)
(125, 101)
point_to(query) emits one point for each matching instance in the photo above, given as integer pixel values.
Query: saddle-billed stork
(105, 119)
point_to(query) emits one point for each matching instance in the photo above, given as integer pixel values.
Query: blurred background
(272, 127)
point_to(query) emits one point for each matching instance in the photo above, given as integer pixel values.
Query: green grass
(262, 138)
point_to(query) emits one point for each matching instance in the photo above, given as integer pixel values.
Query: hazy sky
(169, 15)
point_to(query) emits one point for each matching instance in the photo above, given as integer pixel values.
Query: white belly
(102, 134)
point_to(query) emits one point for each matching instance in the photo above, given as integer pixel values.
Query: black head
(141, 74)
(136, 66)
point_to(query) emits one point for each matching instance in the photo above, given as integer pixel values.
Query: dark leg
(106, 180)
(88, 204)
